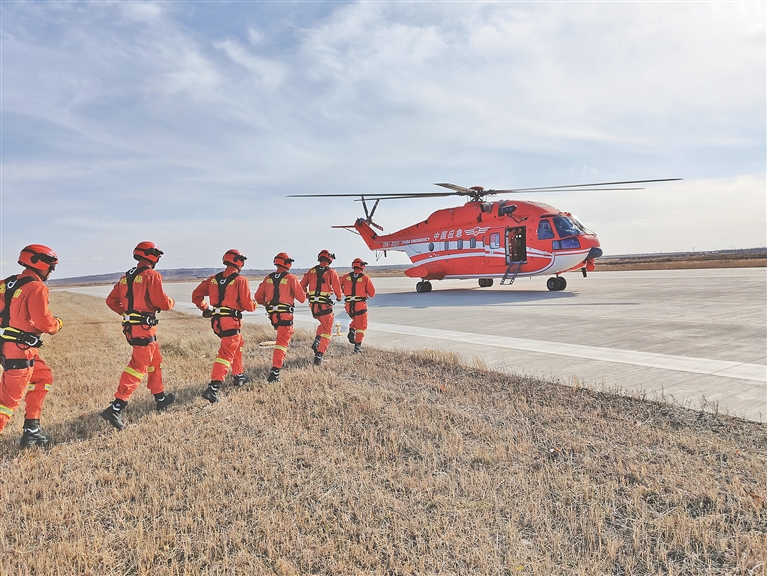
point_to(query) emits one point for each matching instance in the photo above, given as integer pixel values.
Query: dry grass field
(388, 463)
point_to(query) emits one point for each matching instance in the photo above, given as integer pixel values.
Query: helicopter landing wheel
(552, 284)
(556, 283)
(423, 287)
(485, 282)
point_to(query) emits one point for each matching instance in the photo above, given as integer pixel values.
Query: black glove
(207, 313)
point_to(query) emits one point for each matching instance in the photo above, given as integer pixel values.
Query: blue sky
(187, 123)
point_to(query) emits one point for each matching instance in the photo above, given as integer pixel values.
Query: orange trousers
(229, 357)
(145, 360)
(324, 331)
(34, 381)
(284, 334)
(359, 324)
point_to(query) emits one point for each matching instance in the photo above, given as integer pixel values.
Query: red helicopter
(487, 240)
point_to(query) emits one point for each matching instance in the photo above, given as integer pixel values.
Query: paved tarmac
(698, 337)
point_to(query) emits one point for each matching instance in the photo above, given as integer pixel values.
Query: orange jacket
(148, 296)
(319, 296)
(29, 306)
(357, 288)
(236, 294)
(289, 291)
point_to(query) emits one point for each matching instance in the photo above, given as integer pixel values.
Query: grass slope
(388, 463)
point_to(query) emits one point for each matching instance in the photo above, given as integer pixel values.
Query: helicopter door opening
(516, 245)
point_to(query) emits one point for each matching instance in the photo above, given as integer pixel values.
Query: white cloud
(170, 108)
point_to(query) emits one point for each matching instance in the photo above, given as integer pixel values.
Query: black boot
(350, 336)
(33, 435)
(113, 414)
(274, 375)
(358, 347)
(164, 399)
(318, 358)
(239, 380)
(211, 392)
(316, 344)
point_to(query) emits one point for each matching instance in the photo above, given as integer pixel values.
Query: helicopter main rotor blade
(460, 189)
(568, 186)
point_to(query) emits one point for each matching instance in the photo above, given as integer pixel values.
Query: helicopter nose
(594, 253)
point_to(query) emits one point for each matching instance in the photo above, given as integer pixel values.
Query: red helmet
(283, 259)
(147, 251)
(39, 258)
(358, 263)
(326, 255)
(234, 258)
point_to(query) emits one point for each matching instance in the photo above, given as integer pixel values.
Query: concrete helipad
(697, 336)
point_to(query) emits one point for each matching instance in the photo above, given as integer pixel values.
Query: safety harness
(133, 318)
(220, 311)
(274, 307)
(8, 333)
(320, 303)
(352, 299)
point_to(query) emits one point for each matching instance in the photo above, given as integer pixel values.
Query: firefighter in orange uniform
(320, 283)
(229, 296)
(24, 316)
(357, 287)
(137, 297)
(278, 293)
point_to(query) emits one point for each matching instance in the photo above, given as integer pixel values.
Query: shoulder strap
(130, 276)
(12, 283)
(222, 284)
(276, 279)
(354, 279)
(320, 273)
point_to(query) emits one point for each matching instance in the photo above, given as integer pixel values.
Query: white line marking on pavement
(724, 368)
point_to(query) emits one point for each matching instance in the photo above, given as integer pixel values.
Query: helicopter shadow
(467, 297)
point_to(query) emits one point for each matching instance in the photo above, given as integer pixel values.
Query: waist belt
(11, 334)
(350, 299)
(148, 319)
(140, 341)
(17, 363)
(280, 309)
(225, 311)
(320, 299)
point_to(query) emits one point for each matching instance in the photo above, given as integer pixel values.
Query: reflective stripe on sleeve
(5, 411)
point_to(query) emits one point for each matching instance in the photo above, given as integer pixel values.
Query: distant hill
(192, 274)
(660, 260)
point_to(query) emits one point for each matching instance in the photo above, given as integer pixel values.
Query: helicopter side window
(459, 244)
(473, 243)
(495, 240)
(431, 246)
(565, 228)
(544, 230)
(447, 245)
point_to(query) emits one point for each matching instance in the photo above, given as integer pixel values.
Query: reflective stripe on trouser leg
(143, 357)
(284, 334)
(359, 324)
(228, 352)
(324, 332)
(39, 386)
(13, 384)
(154, 371)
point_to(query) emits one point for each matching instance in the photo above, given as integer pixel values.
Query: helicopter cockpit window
(565, 227)
(495, 240)
(544, 230)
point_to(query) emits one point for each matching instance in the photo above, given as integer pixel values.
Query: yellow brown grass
(387, 463)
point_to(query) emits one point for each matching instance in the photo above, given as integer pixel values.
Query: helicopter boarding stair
(511, 272)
